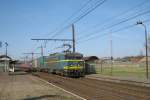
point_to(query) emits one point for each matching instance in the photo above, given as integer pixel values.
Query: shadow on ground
(41, 97)
(18, 73)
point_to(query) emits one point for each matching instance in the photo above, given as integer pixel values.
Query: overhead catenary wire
(121, 29)
(106, 28)
(97, 4)
(83, 14)
(86, 10)
(69, 18)
(69, 25)
(118, 23)
(117, 16)
(104, 34)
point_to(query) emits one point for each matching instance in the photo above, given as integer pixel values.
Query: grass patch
(126, 71)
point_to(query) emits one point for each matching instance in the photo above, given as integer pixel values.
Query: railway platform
(23, 86)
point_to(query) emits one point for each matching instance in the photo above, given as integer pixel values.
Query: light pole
(6, 44)
(6, 63)
(111, 53)
(73, 38)
(146, 54)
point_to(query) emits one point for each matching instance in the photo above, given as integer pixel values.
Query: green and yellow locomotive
(65, 64)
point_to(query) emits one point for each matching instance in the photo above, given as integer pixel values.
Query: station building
(7, 64)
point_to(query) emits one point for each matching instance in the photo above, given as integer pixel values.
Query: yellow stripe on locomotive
(72, 68)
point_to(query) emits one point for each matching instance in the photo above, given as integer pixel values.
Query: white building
(6, 64)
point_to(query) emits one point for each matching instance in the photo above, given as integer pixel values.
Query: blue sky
(21, 20)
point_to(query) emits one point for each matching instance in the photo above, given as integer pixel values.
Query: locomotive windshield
(74, 56)
(75, 63)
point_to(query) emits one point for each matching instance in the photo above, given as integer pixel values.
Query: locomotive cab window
(75, 63)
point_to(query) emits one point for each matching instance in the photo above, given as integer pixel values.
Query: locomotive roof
(76, 54)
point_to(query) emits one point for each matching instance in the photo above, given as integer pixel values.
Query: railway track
(92, 89)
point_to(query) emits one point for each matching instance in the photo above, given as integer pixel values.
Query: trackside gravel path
(92, 89)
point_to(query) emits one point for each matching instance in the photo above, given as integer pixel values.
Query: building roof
(144, 59)
(4, 57)
(14, 61)
(136, 59)
(90, 58)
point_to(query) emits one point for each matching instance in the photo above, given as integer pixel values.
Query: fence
(121, 69)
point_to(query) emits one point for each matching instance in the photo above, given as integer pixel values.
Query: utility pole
(42, 51)
(73, 38)
(6, 44)
(6, 64)
(42, 55)
(111, 53)
(146, 53)
(26, 59)
(32, 55)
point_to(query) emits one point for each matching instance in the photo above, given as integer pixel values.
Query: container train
(65, 64)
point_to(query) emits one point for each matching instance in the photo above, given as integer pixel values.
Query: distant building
(143, 60)
(4, 63)
(90, 64)
(12, 65)
(7, 64)
(135, 59)
(132, 59)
